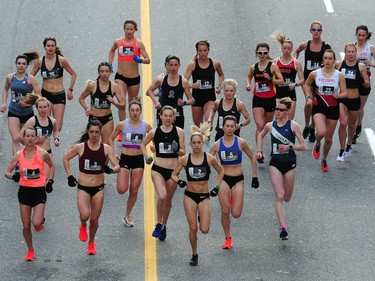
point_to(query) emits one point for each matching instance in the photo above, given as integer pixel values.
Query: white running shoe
(128, 221)
(340, 158)
(347, 153)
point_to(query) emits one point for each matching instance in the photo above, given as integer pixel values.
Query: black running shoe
(283, 234)
(311, 135)
(194, 260)
(305, 132)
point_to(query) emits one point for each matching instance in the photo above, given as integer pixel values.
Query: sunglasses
(280, 109)
(262, 53)
(316, 29)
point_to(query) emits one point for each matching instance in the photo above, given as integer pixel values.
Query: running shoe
(283, 233)
(163, 234)
(91, 248)
(83, 233)
(324, 166)
(347, 153)
(227, 244)
(119, 137)
(30, 255)
(157, 230)
(312, 135)
(305, 132)
(37, 229)
(194, 260)
(340, 158)
(128, 221)
(261, 160)
(316, 152)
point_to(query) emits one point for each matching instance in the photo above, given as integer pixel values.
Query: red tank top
(126, 51)
(32, 172)
(263, 87)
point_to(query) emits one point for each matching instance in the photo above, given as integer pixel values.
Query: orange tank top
(126, 51)
(32, 172)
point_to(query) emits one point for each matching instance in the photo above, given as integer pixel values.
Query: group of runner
(333, 91)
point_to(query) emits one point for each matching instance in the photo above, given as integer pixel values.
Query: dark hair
(28, 56)
(287, 101)
(330, 51)
(131, 22)
(167, 59)
(29, 128)
(229, 118)
(58, 50)
(104, 63)
(137, 101)
(365, 28)
(200, 43)
(93, 122)
(261, 45)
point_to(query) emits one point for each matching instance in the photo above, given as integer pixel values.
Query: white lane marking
(329, 6)
(342, 54)
(371, 139)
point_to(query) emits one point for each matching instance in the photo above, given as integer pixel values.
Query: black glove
(16, 177)
(108, 170)
(175, 146)
(72, 181)
(255, 182)
(149, 160)
(215, 191)
(49, 184)
(181, 183)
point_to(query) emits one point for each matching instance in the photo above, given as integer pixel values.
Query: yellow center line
(148, 114)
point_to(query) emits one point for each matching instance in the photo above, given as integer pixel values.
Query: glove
(108, 170)
(137, 59)
(111, 67)
(175, 147)
(215, 191)
(255, 182)
(49, 184)
(181, 183)
(16, 177)
(149, 160)
(72, 181)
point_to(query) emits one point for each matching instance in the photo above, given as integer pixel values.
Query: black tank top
(99, 99)
(222, 113)
(353, 78)
(170, 94)
(92, 161)
(206, 77)
(43, 131)
(163, 143)
(55, 73)
(199, 172)
(314, 60)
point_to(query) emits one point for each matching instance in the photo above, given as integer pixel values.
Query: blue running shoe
(163, 234)
(157, 230)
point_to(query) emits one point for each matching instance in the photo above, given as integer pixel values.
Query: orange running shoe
(324, 166)
(316, 152)
(82, 233)
(119, 137)
(227, 244)
(91, 248)
(30, 255)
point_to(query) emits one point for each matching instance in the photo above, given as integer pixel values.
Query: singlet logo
(171, 94)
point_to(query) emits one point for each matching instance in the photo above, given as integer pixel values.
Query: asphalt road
(330, 216)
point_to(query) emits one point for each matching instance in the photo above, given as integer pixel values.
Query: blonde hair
(281, 38)
(316, 22)
(230, 82)
(203, 131)
(39, 100)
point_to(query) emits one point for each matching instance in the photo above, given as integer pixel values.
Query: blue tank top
(133, 137)
(19, 89)
(230, 155)
(282, 135)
